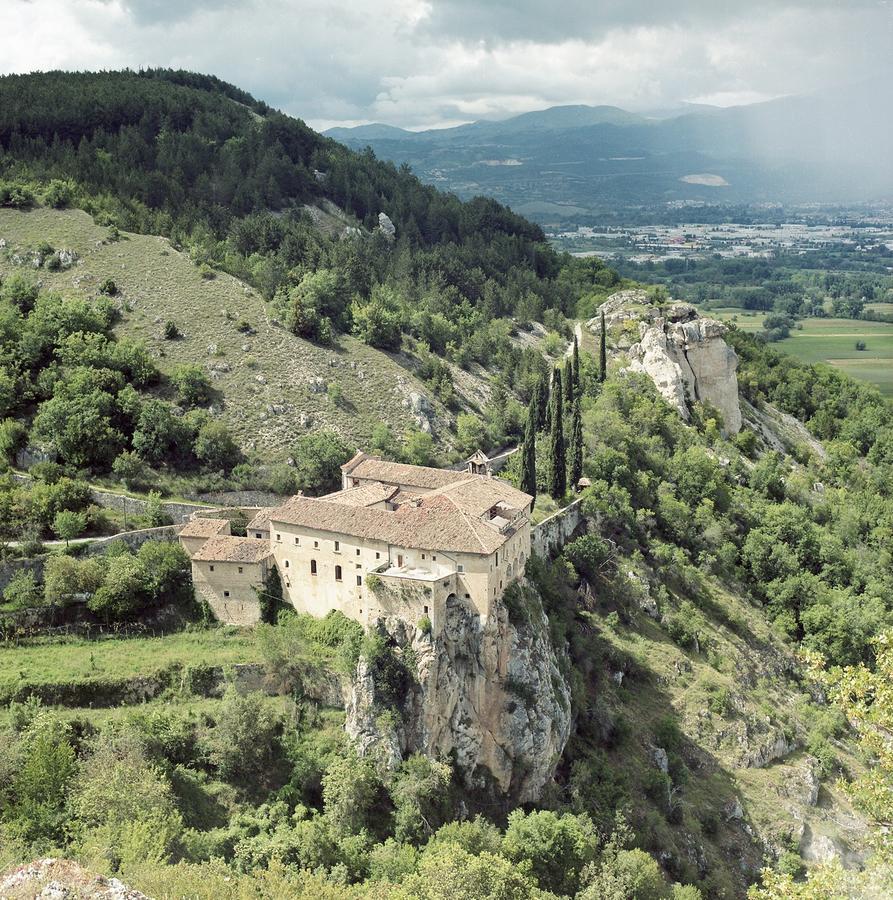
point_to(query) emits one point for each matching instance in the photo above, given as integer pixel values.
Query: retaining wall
(244, 499)
(553, 533)
(179, 511)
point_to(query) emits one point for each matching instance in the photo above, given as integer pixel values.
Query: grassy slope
(734, 696)
(75, 660)
(264, 388)
(834, 341)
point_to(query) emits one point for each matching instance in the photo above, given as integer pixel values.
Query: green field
(833, 341)
(67, 660)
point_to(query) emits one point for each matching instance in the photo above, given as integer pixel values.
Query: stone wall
(553, 533)
(244, 499)
(135, 539)
(178, 511)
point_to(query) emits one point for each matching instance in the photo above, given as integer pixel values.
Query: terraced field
(833, 341)
(77, 660)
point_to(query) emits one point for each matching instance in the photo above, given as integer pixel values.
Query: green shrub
(23, 590)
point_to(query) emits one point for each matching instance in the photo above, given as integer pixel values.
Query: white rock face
(386, 226)
(489, 694)
(683, 354)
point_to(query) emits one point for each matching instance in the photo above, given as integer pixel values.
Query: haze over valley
(446, 450)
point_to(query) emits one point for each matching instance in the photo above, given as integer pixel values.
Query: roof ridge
(468, 521)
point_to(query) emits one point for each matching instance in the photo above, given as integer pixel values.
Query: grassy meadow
(80, 660)
(832, 341)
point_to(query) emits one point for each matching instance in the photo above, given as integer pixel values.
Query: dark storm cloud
(420, 63)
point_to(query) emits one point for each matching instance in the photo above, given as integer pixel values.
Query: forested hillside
(719, 592)
(239, 188)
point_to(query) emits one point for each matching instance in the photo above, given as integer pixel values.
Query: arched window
(312, 566)
(337, 573)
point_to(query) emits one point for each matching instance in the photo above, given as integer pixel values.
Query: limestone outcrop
(684, 355)
(488, 693)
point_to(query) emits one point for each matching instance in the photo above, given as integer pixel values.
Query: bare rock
(660, 758)
(386, 226)
(421, 409)
(488, 694)
(684, 355)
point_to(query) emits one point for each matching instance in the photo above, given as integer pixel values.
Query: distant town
(655, 243)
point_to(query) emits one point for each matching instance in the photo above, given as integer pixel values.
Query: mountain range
(570, 163)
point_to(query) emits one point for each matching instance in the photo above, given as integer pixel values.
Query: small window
(337, 546)
(497, 557)
(468, 596)
(434, 558)
(257, 534)
(337, 573)
(460, 567)
(278, 537)
(286, 565)
(297, 542)
(423, 556)
(210, 568)
(426, 610)
(358, 566)
(359, 582)
(358, 551)
(312, 566)
(226, 593)
(316, 545)
(377, 555)
(240, 570)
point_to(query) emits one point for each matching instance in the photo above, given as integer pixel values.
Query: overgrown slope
(270, 385)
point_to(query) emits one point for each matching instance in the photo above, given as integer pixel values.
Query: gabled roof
(233, 549)
(478, 494)
(365, 495)
(261, 520)
(455, 519)
(372, 468)
(201, 527)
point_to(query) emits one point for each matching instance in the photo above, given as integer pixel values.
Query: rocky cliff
(685, 355)
(489, 694)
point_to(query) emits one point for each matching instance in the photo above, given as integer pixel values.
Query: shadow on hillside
(629, 752)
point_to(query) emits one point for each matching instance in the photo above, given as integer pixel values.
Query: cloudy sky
(423, 63)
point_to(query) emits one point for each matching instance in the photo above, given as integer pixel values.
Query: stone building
(395, 540)
(228, 572)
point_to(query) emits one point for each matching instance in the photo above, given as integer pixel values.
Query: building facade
(395, 540)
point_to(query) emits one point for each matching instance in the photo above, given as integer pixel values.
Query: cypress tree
(558, 476)
(541, 393)
(576, 445)
(603, 352)
(569, 381)
(549, 394)
(528, 450)
(576, 368)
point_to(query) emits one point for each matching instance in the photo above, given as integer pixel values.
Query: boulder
(386, 226)
(421, 410)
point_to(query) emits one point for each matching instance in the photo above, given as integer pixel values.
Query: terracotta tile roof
(233, 549)
(204, 527)
(365, 495)
(478, 494)
(374, 469)
(261, 520)
(454, 520)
